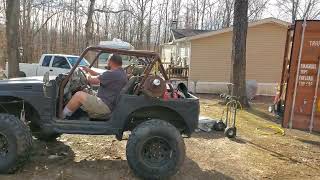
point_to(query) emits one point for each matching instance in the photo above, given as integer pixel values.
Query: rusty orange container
(300, 78)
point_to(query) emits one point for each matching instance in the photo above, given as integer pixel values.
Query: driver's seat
(129, 87)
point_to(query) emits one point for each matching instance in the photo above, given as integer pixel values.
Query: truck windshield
(73, 61)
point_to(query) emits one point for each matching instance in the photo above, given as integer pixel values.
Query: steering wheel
(83, 77)
(79, 81)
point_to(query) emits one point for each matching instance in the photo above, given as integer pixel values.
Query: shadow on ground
(315, 143)
(191, 171)
(238, 140)
(56, 161)
(217, 135)
(208, 135)
(263, 115)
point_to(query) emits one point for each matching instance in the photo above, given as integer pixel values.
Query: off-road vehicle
(156, 124)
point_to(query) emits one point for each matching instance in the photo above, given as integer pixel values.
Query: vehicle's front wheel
(155, 150)
(41, 135)
(15, 143)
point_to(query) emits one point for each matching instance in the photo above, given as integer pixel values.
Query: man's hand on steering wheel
(85, 69)
(91, 79)
(84, 77)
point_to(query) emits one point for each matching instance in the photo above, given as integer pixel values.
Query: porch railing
(178, 72)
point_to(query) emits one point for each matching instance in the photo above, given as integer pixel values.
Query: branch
(114, 12)
(45, 22)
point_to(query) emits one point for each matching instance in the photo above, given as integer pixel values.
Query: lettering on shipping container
(314, 43)
(308, 66)
(306, 76)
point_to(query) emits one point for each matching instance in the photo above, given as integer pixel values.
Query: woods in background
(68, 26)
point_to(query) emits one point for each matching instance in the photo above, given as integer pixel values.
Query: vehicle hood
(32, 79)
(22, 84)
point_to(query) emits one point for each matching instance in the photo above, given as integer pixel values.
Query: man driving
(111, 82)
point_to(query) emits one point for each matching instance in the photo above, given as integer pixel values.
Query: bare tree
(140, 12)
(299, 9)
(12, 29)
(204, 7)
(238, 59)
(68, 26)
(149, 28)
(256, 8)
(227, 17)
(88, 27)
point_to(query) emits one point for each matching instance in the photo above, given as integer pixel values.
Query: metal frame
(304, 26)
(137, 53)
(286, 61)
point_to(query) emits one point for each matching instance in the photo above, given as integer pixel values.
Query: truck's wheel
(155, 150)
(15, 143)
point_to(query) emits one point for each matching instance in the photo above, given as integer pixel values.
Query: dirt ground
(256, 153)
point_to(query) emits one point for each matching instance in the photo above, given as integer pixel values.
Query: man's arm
(90, 71)
(93, 80)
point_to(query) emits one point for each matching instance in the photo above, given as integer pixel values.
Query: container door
(305, 99)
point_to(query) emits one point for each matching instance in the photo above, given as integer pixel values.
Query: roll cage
(154, 59)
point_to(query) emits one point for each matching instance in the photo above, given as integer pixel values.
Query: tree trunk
(149, 27)
(238, 59)
(204, 6)
(88, 28)
(141, 25)
(75, 26)
(12, 29)
(295, 4)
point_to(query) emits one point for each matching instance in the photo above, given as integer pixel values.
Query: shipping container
(300, 92)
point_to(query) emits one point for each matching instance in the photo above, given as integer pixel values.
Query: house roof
(220, 31)
(182, 33)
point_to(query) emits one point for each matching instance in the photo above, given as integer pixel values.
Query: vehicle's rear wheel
(15, 143)
(155, 150)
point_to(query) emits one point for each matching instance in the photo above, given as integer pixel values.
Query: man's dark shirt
(111, 83)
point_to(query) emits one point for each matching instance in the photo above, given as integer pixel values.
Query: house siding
(211, 56)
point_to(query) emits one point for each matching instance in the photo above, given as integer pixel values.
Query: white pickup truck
(55, 64)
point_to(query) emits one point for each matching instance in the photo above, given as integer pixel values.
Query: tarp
(116, 44)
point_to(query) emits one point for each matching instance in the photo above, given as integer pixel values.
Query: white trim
(265, 89)
(268, 84)
(214, 83)
(189, 75)
(252, 24)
